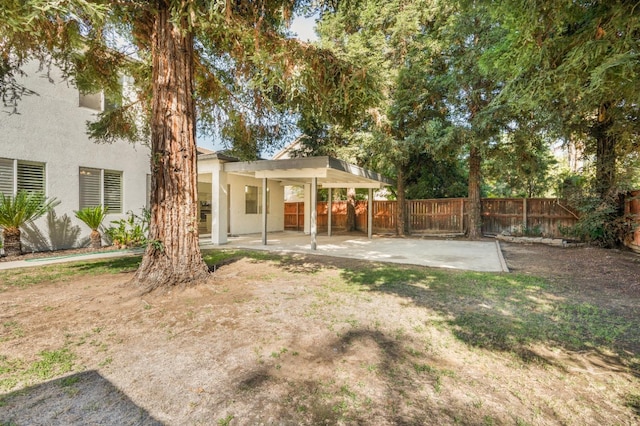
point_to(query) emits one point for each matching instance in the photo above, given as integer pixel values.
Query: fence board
(438, 216)
(499, 214)
(294, 216)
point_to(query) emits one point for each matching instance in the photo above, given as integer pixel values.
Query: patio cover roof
(330, 172)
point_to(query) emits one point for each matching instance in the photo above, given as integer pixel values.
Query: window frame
(103, 194)
(258, 202)
(19, 175)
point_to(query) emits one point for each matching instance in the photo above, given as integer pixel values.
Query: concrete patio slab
(484, 256)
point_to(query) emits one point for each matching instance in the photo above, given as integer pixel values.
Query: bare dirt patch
(315, 340)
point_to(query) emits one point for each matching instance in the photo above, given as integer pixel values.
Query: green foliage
(27, 277)
(600, 221)
(51, 364)
(23, 208)
(130, 232)
(519, 165)
(429, 177)
(574, 66)
(92, 216)
(522, 309)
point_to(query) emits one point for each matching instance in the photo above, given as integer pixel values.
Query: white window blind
(16, 175)
(6, 176)
(90, 187)
(113, 191)
(101, 188)
(31, 177)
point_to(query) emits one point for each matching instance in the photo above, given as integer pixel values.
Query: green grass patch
(25, 277)
(499, 311)
(50, 364)
(217, 256)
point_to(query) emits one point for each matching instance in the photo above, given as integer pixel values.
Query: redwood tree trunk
(173, 256)
(351, 209)
(475, 219)
(605, 154)
(400, 212)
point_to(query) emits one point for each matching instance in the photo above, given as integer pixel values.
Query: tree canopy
(231, 64)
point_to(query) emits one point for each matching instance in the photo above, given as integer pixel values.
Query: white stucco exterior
(228, 202)
(50, 128)
(228, 190)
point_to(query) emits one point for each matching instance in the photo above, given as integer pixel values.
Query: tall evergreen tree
(390, 38)
(577, 62)
(231, 61)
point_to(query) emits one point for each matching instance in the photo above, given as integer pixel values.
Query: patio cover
(318, 172)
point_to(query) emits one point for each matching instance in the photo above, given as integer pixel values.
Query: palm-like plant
(93, 217)
(19, 210)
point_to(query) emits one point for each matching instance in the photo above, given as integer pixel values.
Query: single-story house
(241, 197)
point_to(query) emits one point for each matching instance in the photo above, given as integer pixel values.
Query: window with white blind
(16, 175)
(6, 176)
(100, 187)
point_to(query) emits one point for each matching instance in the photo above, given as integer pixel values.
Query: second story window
(102, 101)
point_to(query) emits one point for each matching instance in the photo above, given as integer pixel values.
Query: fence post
(524, 214)
(462, 215)
(297, 216)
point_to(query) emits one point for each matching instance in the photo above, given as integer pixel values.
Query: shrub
(130, 232)
(93, 217)
(601, 221)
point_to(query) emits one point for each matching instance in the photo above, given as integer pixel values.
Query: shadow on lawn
(112, 265)
(78, 399)
(508, 312)
(322, 397)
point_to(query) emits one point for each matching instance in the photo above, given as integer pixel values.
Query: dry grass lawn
(310, 340)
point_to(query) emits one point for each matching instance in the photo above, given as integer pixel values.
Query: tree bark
(401, 211)
(173, 255)
(351, 209)
(12, 243)
(475, 219)
(605, 154)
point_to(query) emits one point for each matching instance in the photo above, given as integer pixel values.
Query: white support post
(329, 208)
(314, 212)
(370, 214)
(307, 209)
(219, 205)
(264, 211)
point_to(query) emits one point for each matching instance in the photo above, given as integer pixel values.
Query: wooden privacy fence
(632, 214)
(294, 216)
(541, 216)
(532, 216)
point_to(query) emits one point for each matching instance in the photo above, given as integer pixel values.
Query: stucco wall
(242, 223)
(50, 127)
